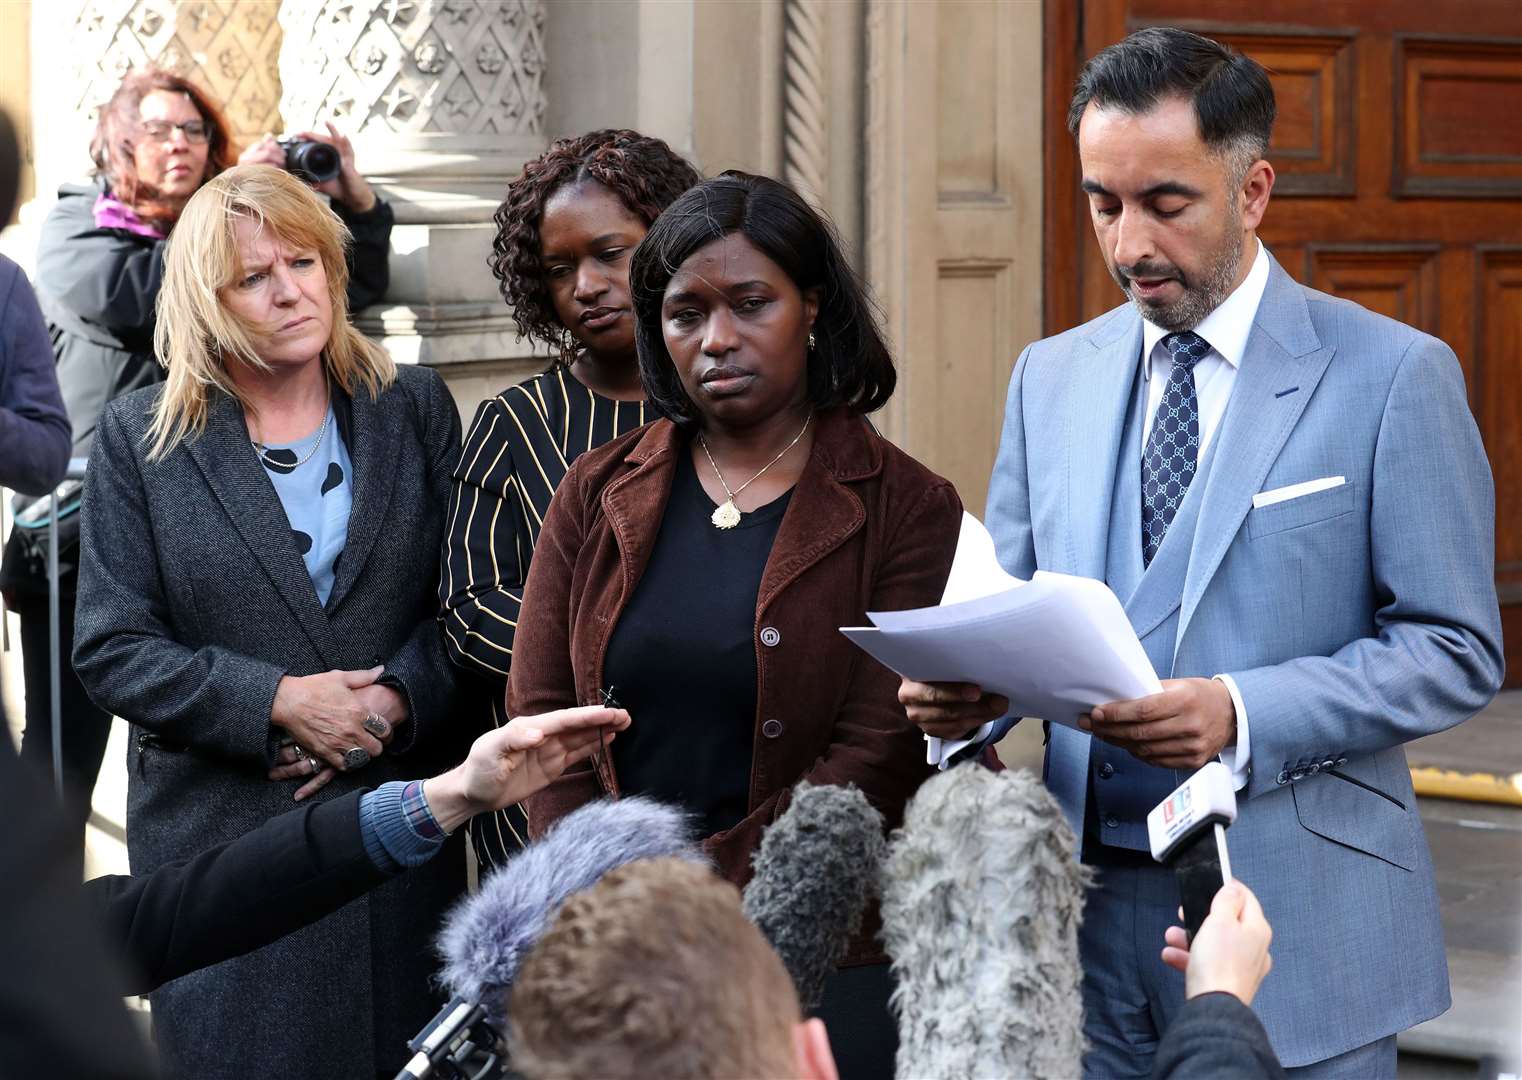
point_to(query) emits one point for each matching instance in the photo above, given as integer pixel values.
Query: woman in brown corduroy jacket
(697, 570)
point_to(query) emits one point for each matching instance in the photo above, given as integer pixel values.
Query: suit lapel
(377, 434)
(1099, 398)
(1282, 366)
(231, 467)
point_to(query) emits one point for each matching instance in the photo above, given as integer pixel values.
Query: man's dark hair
(1232, 97)
(849, 365)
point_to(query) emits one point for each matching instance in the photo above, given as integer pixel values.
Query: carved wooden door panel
(1398, 150)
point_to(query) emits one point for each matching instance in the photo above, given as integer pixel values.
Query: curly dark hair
(849, 365)
(645, 174)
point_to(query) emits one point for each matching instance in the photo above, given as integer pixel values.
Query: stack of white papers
(1055, 646)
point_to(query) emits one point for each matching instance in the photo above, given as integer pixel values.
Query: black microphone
(1187, 831)
(982, 898)
(486, 937)
(815, 872)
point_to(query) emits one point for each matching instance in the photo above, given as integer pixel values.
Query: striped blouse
(516, 453)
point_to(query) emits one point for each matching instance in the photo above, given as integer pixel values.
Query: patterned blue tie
(1169, 461)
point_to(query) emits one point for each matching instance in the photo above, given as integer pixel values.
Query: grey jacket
(193, 603)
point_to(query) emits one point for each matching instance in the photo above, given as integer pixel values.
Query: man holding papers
(1289, 497)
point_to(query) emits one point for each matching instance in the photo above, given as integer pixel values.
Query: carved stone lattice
(805, 143)
(230, 48)
(416, 67)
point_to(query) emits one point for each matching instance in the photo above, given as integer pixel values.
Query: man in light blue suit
(1290, 498)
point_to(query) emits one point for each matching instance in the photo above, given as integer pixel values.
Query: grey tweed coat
(193, 603)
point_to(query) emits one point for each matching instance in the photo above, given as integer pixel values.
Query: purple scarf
(112, 213)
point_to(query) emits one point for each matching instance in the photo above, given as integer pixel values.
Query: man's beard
(1202, 294)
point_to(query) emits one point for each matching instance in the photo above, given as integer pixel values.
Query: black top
(682, 658)
(516, 453)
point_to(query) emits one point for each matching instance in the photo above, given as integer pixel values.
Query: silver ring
(316, 765)
(298, 751)
(377, 725)
(356, 757)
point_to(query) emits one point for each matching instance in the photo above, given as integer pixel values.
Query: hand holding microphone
(1229, 954)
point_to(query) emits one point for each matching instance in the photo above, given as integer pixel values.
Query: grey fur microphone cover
(486, 937)
(815, 871)
(982, 899)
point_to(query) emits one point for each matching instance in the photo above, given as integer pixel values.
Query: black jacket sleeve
(1216, 1037)
(35, 435)
(369, 266)
(234, 898)
(60, 1001)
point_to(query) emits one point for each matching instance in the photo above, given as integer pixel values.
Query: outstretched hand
(509, 764)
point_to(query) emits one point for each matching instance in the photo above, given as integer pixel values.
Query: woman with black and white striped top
(565, 235)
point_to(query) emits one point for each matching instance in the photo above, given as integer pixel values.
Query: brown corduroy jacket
(868, 528)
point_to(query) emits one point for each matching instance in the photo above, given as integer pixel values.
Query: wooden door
(1398, 149)
(952, 138)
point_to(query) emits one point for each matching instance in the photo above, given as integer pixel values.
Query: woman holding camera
(697, 571)
(256, 597)
(100, 262)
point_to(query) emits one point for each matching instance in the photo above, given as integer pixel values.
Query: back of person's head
(849, 363)
(10, 168)
(117, 129)
(643, 172)
(1232, 96)
(653, 972)
(196, 336)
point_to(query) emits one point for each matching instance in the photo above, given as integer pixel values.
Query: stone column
(444, 100)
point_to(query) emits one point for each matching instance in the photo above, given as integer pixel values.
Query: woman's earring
(812, 343)
(567, 348)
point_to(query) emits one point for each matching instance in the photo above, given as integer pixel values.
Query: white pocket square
(1294, 491)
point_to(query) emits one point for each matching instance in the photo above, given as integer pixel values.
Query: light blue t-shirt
(316, 495)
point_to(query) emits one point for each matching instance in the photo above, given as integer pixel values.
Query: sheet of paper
(1055, 646)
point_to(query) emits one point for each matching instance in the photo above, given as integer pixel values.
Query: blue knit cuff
(398, 829)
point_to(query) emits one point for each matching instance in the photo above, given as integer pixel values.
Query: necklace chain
(263, 451)
(728, 515)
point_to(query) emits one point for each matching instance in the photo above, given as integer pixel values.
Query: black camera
(310, 160)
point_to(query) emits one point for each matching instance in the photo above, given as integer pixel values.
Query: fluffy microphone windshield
(815, 872)
(982, 897)
(487, 936)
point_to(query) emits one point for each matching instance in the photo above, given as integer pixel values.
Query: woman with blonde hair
(259, 547)
(100, 262)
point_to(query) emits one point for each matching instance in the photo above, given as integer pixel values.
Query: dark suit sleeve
(236, 897)
(872, 745)
(35, 436)
(1216, 1037)
(125, 651)
(421, 669)
(60, 1000)
(369, 258)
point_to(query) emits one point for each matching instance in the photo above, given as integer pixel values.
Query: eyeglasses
(196, 131)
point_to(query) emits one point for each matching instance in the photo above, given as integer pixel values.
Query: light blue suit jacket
(1353, 620)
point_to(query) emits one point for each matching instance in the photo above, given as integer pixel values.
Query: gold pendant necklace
(727, 516)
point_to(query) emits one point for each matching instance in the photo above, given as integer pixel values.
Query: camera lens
(312, 161)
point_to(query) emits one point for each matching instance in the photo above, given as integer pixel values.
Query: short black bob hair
(1232, 97)
(849, 364)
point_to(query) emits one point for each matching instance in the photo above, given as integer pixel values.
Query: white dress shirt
(1225, 330)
